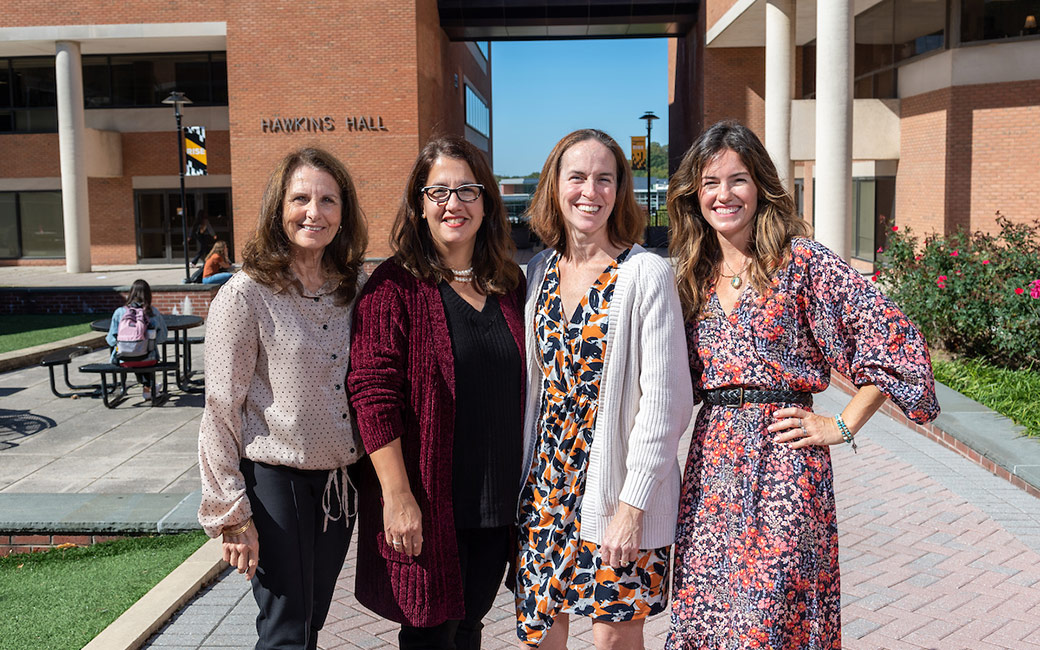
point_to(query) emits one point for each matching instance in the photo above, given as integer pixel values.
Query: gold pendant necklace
(736, 280)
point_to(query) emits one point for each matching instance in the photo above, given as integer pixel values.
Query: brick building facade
(370, 81)
(946, 98)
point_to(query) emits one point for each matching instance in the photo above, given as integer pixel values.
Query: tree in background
(658, 162)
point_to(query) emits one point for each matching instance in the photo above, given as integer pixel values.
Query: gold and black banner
(195, 151)
(639, 152)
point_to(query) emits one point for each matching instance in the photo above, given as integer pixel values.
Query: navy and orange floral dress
(558, 572)
(756, 561)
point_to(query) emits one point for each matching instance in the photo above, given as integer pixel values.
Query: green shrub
(971, 294)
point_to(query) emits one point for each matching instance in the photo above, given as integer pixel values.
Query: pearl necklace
(465, 275)
(737, 280)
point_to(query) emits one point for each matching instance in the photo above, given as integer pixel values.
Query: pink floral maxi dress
(756, 561)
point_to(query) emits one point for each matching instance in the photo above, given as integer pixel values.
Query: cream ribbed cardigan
(645, 399)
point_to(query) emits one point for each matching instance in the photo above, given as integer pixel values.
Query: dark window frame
(20, 218)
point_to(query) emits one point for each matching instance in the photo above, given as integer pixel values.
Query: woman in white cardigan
(609, 397)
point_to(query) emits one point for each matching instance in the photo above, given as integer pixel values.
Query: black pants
(299, 563)
(483, 554)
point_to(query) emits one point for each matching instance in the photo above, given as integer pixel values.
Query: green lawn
(1009, 392)
(64, 598)
(19, 331)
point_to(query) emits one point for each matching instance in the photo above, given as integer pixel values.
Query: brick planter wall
(101, 300)
(11, 543)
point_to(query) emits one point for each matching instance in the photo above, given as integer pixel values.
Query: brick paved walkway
(935, 553)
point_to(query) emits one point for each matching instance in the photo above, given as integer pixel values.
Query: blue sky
(543, 90)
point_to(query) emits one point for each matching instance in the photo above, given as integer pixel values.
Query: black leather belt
(739, 396)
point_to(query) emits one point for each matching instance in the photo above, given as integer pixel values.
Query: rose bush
(970, 293)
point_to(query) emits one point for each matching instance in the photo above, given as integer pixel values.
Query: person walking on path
(606, 406)
(276, 444)
(436, 380)
(770, 313)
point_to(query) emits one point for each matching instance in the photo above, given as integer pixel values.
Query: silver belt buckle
(739, 403)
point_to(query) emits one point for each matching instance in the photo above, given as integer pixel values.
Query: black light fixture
(649, 117)
(178, 99)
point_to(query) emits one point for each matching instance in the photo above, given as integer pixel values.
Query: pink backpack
(132, 335)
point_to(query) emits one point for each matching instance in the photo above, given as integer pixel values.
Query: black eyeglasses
(466, 193)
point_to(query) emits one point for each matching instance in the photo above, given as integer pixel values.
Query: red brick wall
(112, 239)
(19, 301)
(155, 153)
(921, 176)
(966, 152)
(735, 86)
(338, 59)
(323, 58)
(32, 543)
(21, 13)
(29, 155)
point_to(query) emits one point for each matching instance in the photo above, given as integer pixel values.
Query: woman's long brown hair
(694, 243)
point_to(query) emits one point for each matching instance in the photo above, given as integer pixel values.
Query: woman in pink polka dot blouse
(276, 443)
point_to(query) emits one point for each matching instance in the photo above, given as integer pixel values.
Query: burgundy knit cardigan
(402, 385)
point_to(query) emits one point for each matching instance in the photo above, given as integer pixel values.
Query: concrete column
(72, 150)
(780, 85)
(834, 124)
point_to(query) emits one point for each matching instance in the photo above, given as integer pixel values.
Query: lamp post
(649, 117)
(178, 99)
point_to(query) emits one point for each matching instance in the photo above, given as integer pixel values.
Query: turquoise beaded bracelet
(845, 433)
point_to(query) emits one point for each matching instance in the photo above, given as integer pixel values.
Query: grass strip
(20, 331)
(63, 598)
(1008, 392)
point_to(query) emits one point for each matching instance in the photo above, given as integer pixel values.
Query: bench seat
(119, 379)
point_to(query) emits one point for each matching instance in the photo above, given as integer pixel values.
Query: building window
(483, 47)
(873, 203)
(131, 80)
(984, 20)
(28, 98)
(31, 225)
(478, 115)
(885, 35)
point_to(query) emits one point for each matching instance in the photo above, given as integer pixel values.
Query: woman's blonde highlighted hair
(694, 244)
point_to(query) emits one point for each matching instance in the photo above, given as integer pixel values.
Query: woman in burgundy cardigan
(436, 382)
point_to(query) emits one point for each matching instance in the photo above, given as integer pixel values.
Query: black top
(486, 448)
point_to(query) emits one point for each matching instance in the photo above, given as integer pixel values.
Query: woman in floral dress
(606, 406)
(769, 314)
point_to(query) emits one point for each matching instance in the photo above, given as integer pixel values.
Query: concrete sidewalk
(936, 552)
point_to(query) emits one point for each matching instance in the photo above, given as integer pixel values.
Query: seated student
(139, 298)
(218, 267)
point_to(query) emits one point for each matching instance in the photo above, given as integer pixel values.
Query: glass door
(160, 237)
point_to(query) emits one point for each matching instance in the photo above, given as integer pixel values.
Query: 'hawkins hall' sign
(320, 124)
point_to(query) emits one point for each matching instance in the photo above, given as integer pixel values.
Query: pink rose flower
(953, 254)
(985, 262)
(1019, 290)
(1034, 289)
(895, 228)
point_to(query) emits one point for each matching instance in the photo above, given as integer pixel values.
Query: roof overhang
(501, 20)
(115, 39)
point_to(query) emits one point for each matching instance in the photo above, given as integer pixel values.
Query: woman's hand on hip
(620, 544)
(242, 551)
(800, 428)
(402, 523)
